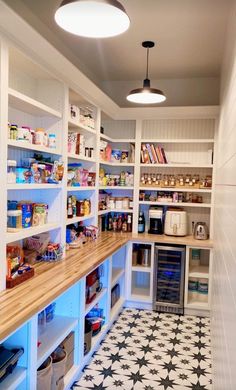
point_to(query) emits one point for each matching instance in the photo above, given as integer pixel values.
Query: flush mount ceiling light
(92, 18)
(146, 95)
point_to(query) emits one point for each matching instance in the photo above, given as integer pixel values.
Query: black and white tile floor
(147, 350)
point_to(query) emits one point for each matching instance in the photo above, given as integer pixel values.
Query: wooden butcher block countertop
(19, 304)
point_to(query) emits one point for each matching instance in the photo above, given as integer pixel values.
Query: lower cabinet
(76, 322)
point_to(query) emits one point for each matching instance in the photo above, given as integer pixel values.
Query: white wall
(224, 285)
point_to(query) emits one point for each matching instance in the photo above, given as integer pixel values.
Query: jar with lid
(119, 203)
(79, 208)
(111, 204)
(131, 203)
(52, 141)
(125, 203)
(11, 171)
(13, 132)
(39, 136)
(14, 220)
(87, 207)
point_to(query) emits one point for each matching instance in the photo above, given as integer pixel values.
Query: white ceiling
(189, 36)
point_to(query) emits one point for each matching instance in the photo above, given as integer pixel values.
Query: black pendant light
(92, 18)
(146, 94)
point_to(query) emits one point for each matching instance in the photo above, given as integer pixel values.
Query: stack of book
(153, 154)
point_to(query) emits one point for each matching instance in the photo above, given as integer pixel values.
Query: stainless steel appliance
(201, 231)
(169, 279)
(155, 220)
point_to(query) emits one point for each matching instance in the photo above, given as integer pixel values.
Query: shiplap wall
(224, 271)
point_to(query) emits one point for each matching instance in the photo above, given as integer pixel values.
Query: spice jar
(87, 207)
(11, 171)
(111, 204)
(125, 203)
(131, 203)
(79, 208)
(119, 203)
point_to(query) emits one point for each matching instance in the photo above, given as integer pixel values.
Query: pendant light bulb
(92, 18)
(146, 94)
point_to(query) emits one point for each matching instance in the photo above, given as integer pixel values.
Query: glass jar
(87, 207)
(119, 203)
(125, 203)
(39, 136)
(14, 220)
(111, 204)
(11, 171)
(79, 208)
(131, 203)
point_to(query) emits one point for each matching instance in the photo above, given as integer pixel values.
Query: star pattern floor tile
(146, 350)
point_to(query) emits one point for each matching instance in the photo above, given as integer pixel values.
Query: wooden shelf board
(117, 164)
(116, 309)
(81, 158)
(140, 268)
(98, 297)
(26, 104)
(54, 334)
(70, 221)
(117, 273)
(28, 232)
(117, 140)
(81, 188)
(179, 204)
(77, 125)
(175, 189)
(176, 165)
(37, 148)
(116, 188)
(178, 141)
(14, 379)
(34, 186)
(103, 212)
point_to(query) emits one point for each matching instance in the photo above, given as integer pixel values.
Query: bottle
(119, 223)
(124, 225)
(141, 223)
(69, 208)
(114, 223)
(109, 225)
(129, 223)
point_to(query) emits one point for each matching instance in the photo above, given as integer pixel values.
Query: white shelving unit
(28, 232)
(118, 211)
(14, 380)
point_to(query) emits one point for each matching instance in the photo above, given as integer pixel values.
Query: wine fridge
(169, 279)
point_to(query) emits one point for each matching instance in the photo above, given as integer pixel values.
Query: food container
(11, 171)
(125, 203)
(23, 175)
(193, 288)
(79, 208)
(124, 156)
(52, 141)
(111, 204)
(131, 203)
(87, 207)
(195, 260)
(119, 203)
(115, 155)
(203, 290)
(27, 210)
(39, 136)
(14, 220)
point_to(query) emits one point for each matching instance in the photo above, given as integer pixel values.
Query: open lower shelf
(33, 147)
(76, 125)
(201, 271)
(70, 377)
(99, 296)
(70, 221)
(24, 103)
(54, 334)
(94, 345)
(140, 268)
(116, 309)
(140, 293)
(14, 379)
(117, 273)
(194, 304)
(28, 232)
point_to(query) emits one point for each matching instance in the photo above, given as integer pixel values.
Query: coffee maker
(155, 220)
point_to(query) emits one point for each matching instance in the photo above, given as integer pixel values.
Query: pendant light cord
(147, 63)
